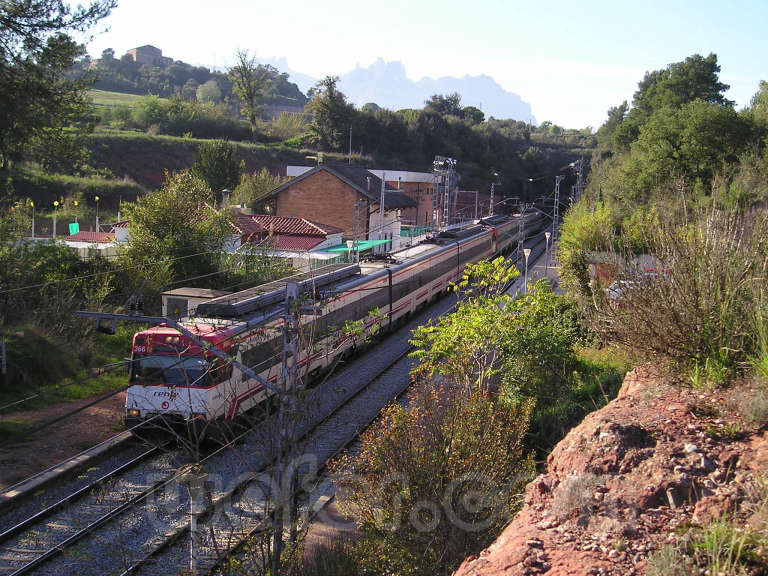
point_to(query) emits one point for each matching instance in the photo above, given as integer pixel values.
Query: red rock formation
(619, 485)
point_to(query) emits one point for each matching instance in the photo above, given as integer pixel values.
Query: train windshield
(184, 370)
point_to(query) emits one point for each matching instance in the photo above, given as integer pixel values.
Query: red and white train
(174, 378)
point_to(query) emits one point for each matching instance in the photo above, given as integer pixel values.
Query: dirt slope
(629, 479)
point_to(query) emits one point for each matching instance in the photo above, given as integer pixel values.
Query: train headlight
(133, 413)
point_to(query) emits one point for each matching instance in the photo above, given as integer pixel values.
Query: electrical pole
(446, 198)
(380, 235)
(493, 188)
(354, 236)
(283, 471)
(556, 213)
(520, 235)
(435, 203)
(580, 179)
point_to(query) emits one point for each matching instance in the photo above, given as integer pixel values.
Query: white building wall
(390, 231)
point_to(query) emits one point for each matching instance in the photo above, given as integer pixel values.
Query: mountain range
(386, 84)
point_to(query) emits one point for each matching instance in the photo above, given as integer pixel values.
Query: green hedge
(44, 189)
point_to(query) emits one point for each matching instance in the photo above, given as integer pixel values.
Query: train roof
(163, 334)
(267, 297)
(263, 296)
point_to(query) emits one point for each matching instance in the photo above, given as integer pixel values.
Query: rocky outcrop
(623, 483)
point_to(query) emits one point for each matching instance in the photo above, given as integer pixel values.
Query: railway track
(45, 525)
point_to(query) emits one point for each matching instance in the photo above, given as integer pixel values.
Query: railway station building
(348, 198)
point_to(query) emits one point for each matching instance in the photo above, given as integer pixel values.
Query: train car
(177, 381)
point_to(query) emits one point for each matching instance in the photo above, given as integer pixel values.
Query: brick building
(419, 187)
(329, 194)
(150, 56)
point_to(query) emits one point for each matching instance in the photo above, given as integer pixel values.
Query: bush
(438, 480)
(583, 230)
(693, 314)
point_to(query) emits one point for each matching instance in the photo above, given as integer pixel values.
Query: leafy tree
(251, 82)
(208, 92)
(332, 115)
(253, 190)
(690, 143)
(759, 105)
(175, 233)
(695, 78)
(605, 134)
(219, 166)
(473, 115)
(38, 104)
(449, 105)
(189, 90)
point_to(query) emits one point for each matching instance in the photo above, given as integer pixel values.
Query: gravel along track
(30, 533)
(20, 507)
(154, 521)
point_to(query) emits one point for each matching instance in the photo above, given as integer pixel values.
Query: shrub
(692, 314)
(288, 126)
(438, 480)
(584, 230)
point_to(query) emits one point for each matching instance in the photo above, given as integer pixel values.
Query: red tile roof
(263, 223)
(92, 237)
(298, 243)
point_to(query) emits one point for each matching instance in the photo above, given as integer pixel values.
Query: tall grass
(694, 313)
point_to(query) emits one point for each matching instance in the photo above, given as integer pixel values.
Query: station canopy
(359, 246)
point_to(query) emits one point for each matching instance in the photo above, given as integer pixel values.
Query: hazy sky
(570, 60)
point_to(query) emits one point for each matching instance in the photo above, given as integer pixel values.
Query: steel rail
(23, 525)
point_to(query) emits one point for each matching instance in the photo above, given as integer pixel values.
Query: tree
(759, 105)
(473, 115)
(449, 105)
(605, 134)
(38, 104)
(209, 92)
(332, 115)
(219, 166)
(174, 232)
(189, 90)
(251, 82)
(695, 78)
(690, 143)
(253, 190)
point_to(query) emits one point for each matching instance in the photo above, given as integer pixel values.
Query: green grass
(111, 99)
(54, 374)
(43, 188)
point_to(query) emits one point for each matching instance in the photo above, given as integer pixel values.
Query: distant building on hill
(149, 55)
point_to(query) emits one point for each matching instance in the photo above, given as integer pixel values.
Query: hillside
(144, 157)
(659, 475)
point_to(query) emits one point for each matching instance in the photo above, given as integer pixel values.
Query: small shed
(182, 302)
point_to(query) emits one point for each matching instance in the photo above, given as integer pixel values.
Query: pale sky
(570, 60)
